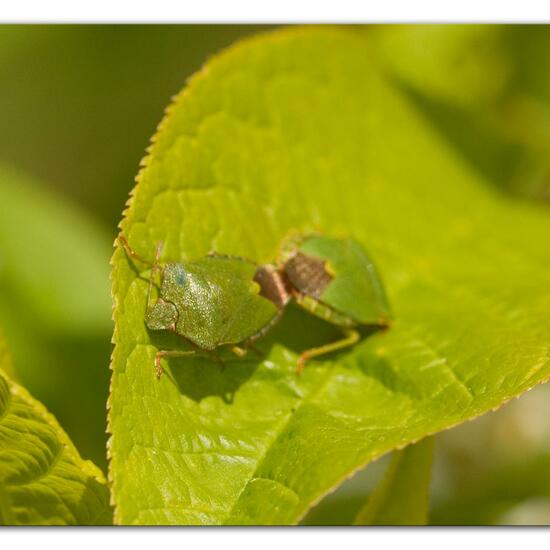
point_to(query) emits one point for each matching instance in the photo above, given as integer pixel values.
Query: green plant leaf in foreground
(297, 130)
(43, 480)
(402, 498)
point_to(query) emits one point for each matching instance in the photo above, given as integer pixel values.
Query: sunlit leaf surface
(297, 130)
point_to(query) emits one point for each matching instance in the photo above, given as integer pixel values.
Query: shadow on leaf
(221, 373)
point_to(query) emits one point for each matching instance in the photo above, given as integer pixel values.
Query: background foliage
(78, 105)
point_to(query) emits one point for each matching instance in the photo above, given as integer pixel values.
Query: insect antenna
(153, 265)
(154, 269)
(131, 252)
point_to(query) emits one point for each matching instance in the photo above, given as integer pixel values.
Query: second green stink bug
(214, 301)
(336, 280)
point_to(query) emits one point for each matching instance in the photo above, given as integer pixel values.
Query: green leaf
(6, 363)
(464, 65)
(485, 88)
(297, 130)
(85, 72)
(43, 480)
(402, 498)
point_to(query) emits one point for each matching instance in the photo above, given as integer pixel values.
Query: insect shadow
(299, 330)
(196, 298)
(202, 375)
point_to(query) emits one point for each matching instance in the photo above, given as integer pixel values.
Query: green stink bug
(214, 301)
(335, 280)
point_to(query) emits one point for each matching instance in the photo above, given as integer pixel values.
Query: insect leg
(257, 351)
(241, 351)
(215, 357)
(238, 351)
(154, 266)
(351, 337)
(173, 353)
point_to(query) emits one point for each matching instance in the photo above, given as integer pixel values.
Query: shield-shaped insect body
(336, 280)
(217, 300)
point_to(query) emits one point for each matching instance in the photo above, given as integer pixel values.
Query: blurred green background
(78, 105)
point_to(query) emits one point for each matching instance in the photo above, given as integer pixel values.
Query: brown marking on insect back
(308, 274)
(274, 285)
